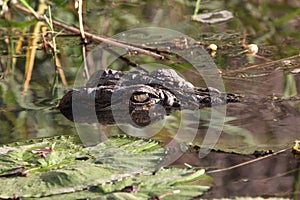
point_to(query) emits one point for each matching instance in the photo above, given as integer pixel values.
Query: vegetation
(42, 51)
(118, 168)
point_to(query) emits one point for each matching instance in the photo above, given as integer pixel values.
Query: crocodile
(138, 98)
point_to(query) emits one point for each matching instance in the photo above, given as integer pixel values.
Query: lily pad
(61, 168)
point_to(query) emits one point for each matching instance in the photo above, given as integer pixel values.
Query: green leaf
(61, 168)
(65, 180)
(167, 183)
(128, 155)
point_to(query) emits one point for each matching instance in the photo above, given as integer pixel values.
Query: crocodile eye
(140, 97)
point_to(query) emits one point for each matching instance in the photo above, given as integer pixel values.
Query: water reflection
(110, 18)
(262, 121)
(276, 176)
(31, 116)
(271, 108)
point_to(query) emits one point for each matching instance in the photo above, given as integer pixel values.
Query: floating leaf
(111, 166)
(128, 155)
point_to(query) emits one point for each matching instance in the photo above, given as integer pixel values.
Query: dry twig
(92, 36)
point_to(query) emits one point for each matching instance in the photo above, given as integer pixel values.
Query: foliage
(63, 166)
(60, 166)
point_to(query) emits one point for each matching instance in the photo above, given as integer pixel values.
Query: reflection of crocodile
(137, 98)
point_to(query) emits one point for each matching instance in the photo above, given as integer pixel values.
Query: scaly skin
(137, 98)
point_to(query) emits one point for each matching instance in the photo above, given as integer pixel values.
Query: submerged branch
(264, 64)
(247, 162)
(94, 37)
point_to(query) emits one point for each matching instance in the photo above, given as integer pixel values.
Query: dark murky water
(261, 121)
(276, 176)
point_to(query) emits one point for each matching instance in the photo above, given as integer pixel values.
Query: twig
(260, 65)
(92, 36)
(78, 6)
(52, 44)
(247, 163)
(124, 59)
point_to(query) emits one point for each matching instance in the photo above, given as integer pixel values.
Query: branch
(92, 36)
(247, 162)
(264, 64)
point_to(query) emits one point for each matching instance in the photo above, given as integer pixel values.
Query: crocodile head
(136, 98)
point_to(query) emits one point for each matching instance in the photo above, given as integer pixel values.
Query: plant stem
(94, 37)
(30, 8)
(197, 8)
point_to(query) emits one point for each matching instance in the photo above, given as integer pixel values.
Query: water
(261, 121)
